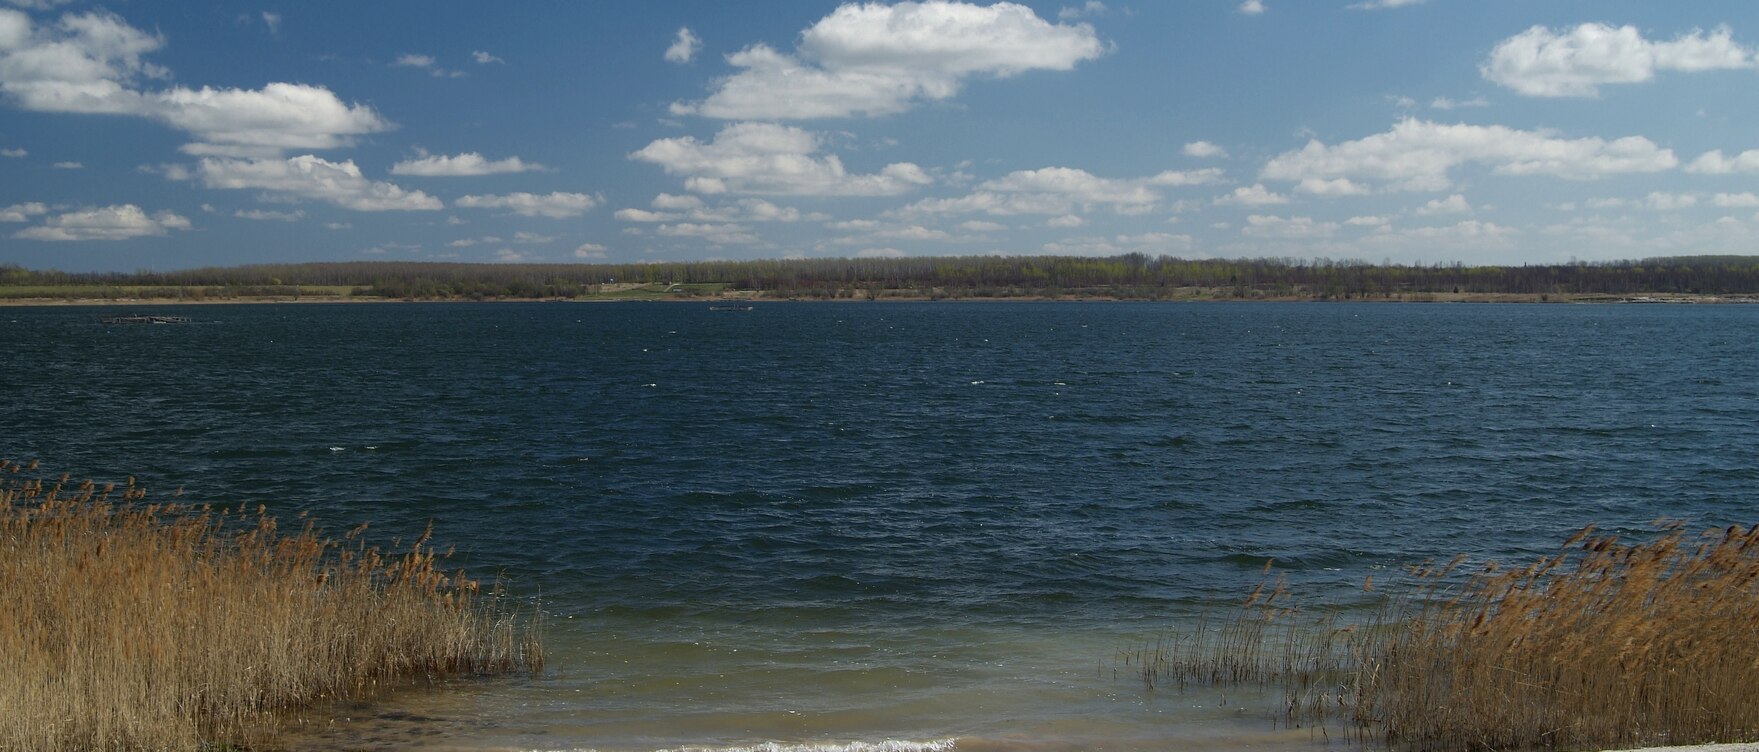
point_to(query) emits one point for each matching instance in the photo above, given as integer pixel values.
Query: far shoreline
(756, 297)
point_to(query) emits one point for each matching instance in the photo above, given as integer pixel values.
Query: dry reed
(126, 625)
(1601, 646)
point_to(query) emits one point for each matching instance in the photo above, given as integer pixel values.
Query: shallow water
(838, 523)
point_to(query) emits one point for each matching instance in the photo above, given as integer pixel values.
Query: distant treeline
(1127, 276)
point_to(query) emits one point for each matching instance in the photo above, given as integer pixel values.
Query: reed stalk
(1604, 645)
(129, 625)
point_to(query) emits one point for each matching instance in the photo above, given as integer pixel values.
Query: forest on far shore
(1131, 276)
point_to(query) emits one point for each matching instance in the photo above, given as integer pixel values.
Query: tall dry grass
(128, 625)
(1604, 645)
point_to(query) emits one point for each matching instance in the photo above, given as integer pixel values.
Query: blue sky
(169, 135)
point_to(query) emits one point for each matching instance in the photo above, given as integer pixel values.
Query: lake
(900, 525)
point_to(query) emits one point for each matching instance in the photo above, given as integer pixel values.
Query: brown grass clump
(133, 626)
(1602, 646)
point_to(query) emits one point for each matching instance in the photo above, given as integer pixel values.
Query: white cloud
(1418, 155)
(311, 177)
(92, 63)
(674, 208)
(1662, 201)
(879, 59)
(510, 256)
(1254, 195)
(276, 118)
(1540, 62)
(643, 215)
(1089, 8)
(1455, 204)
(1367, 221)
(684, 47)
(1332, 187)
(1469, 236)
(1714, 163)
(556, 205)
(1382, 4)
(414, 61)
(977, 225)
(1205, 150)
(1252, 7)
(1064, 190)
(18, 153)
(880, 253)
(532, 238)
(591, 251)
(1443, 103)
(68, 166)
(338, 226)
(119, 222)
(722, 234)
(23, 212)
(264, 215)
(273, 21)
(766, 158)
(468, 163)
(1724, 200)
(1261, 226)
(1067, 220)
(484, 58)
(670, 202)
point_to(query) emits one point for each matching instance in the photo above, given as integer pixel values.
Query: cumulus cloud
(1419, 155)
(314, 178)
(1455, 204)
(93, 63)
(1714, 163)
(684, 46)
(766, 158)
(264, 215)
(23, 212)
(1724, 200)
(1332, 187)
(978, 225)
(1064, 190)
(591, 251)
(719, 234)
(68, 165)
(1262, 226)
(1204, 150)
(556, 205)
(877, 59)
(484, 58)
(468, 163)
(880, 253)
(16, 153)
(1382, 4)
(1254, 195)
(1540, 62)
(1089, 8)
(119, 222)
(1444, 103)
(1252, 7)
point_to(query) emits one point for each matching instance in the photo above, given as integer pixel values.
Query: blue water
(845, 522)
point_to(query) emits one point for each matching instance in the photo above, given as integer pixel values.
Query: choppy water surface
(842, 523)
